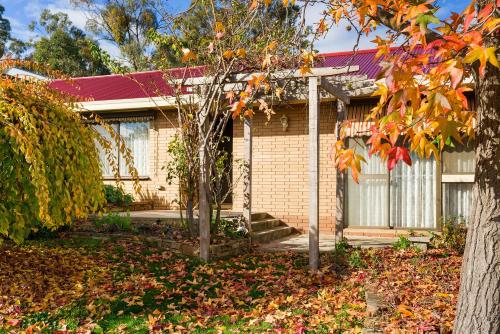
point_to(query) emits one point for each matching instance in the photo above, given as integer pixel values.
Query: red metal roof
(365, 59)
(153, 83)
(127, 86)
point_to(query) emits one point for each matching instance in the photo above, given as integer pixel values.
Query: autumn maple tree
(235, 38)
(429, 65)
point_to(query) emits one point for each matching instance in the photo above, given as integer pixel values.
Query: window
(402, 198)
(407, 196)
(136, 138)
(457, 180)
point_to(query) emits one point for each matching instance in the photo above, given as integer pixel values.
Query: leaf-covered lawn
(92, 286)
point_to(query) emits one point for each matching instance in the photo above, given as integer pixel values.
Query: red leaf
(398, 153)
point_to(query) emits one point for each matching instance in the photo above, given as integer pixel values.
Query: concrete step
(271, 234)
(265, 224)
(256, 216)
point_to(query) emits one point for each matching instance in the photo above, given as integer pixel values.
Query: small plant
(113, 222)
(116, 196)
(342, 246)
(453, 235)
(232, 228)
(355, 260)
(402, 243)
(339, 254)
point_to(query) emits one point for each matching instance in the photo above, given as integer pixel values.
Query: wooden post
(313, 174)
(247, 178)
(340, 184)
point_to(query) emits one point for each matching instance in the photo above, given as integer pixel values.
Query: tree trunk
(478, 308)
(190, 215)
(204, 206)
(218, 209)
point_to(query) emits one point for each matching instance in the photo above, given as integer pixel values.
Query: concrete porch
(273, 235)
(300, 243)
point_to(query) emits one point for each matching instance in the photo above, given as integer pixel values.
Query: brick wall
(280, 184)
(280, 164)
(161, 132)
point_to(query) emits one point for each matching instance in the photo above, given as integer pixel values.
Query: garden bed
(170, 235)
(134, 206)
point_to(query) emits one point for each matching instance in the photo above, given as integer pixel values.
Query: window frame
(454, 178)
(118, 123)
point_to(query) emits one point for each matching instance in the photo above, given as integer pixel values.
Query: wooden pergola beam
(335, 90)
(243, 77)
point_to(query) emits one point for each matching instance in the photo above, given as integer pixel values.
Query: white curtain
(457, 200)
(457, 197)
(105, 165)
(367, 203)
(136, 138)
(413, 194)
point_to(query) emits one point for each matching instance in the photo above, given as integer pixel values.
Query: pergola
(332, 83)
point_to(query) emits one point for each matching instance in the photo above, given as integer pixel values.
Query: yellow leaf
(242, 53)
(473, 55)
(272, 46)
(492, 24)
(219, 27)
(188, 55)
(304, 69)
(491, 56)
(228, 54)
(403, 309)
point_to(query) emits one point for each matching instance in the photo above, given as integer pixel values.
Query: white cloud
(110, 48)
(338, 38)
(77, 16)
(33, 8)
(19, 29)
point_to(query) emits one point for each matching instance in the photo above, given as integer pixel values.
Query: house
(23, 74)
(405, 199)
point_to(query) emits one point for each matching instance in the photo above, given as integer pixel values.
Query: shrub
(339, 255)
(40, 231)
(402, 243)
(116, 196)
(113, 222)
(342, 246)
(232, 228)
(453, 235)
(355, 260)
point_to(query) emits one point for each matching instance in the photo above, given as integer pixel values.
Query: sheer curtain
(413, 194)
(105, 165)
(457, 200)
(136, 138)
(367, 202)
(457, 197)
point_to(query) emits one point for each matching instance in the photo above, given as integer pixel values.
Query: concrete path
(300, 243)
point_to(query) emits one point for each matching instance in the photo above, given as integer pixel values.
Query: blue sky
(22, 12)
